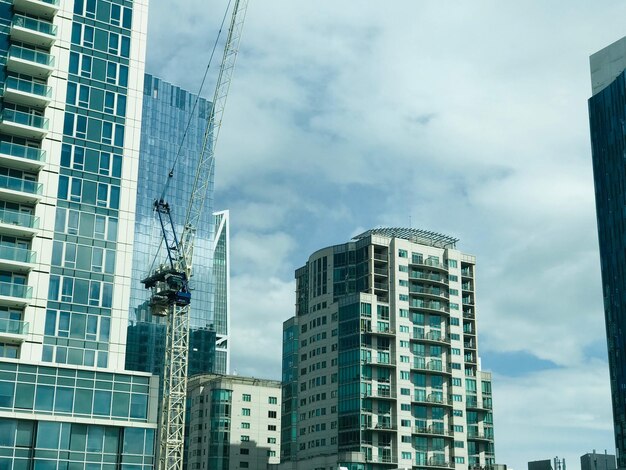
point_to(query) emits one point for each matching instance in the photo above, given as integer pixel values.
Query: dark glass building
(607, 115)
(169, 113)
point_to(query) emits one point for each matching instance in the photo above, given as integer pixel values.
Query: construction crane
(169, 283)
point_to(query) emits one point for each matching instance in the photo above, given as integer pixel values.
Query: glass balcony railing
(18, 184)
(31, 55)
(22, 151)
(25, 119)
(28, 86)
(21, 219)
(14, 327)
(10, 289)
(13, 253)
(39, 26)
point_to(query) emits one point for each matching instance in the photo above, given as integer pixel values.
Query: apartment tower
(380, 362)
(72, 74)
(607, 112)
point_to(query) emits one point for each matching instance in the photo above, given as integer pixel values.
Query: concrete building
(540, 465)
(173, 127)
(234, 422)
(607, 112)
(380, 362)
(595, 461)
(72, 74)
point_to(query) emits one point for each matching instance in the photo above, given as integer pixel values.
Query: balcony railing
(43, 27)
(434, 335)
(22, 151)
(428, 291)
(20, 219)
(45, 8)
(434, 399)
(25, 119)
(416, 303)
(428, 277)
(432, 430)
(10, 289)
(18, 184)
(14, 327)
(27, 86)
(31, 55)
(21, 255)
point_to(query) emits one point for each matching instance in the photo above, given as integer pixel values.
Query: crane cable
(170, 175)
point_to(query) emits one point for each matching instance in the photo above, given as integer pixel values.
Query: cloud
(463, 118)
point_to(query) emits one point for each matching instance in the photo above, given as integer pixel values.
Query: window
(456, 351)
(452, 263)
(245, 412)
(457, 397)
(246, 397)
(271, 414)
(273, 400)
(244, 451)
(454, 321)
(453, 278)
(403, 254)
(271, 427)
(245, 438)
(245, 425)
(406, 456)
(406, 423)
(271, 440)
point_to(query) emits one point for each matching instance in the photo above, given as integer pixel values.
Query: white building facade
(234, 422)
(69, 147)
(380, 362)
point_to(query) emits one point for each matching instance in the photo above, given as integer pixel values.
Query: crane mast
(169, 283)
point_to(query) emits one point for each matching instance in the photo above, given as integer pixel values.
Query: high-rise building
(221, 278)
(380, 362)
(235, 422)
(72, 74)
(173, 127)
(595, 461)
(607, 112)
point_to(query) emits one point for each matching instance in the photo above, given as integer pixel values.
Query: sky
(466, 118)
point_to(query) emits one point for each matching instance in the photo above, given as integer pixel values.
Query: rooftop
(423, 237)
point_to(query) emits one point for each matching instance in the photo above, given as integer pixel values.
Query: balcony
(30, 62)
(16, 223)
(434, 336)
(379, 427)
(432, 366)
(391, 460)
(430, 263)
(374, 361)
(43, 8)
(432, 400)
(378, 331)
(435, 431)
(435, 462)
(437, 293)
(21, 157)
(32, 31)
(20, 190)
(16, 259)
(14, 295)
(26, 92)
(19, 123)
(434, 277)
(478, 436)
(13, 330)
(434, 306)
(379, 394)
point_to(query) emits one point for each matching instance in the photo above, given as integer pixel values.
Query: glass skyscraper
(169, 119)
(72, 74)
(607, 114)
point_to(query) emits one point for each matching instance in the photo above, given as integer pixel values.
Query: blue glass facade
(607, 113)
(166, 113)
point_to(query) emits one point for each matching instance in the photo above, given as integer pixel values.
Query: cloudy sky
(467, 118)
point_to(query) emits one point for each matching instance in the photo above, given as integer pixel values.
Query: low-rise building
(234, 422)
